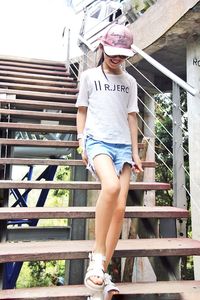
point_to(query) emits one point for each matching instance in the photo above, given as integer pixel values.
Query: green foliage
(163, 147)
(41, 273)
(164, 144)
(63, 174)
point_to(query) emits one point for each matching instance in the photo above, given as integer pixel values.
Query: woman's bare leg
(110, 189)
(118, 214)
(117, 221)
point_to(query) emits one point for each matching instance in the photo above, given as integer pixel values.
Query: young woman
(107, 134)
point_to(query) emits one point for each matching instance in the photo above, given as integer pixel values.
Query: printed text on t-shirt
(110, 87)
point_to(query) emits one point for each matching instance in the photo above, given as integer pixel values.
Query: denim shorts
(119, 153)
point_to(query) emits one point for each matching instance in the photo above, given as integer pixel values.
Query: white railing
(165, 71)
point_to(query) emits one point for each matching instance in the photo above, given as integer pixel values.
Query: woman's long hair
(101, 60)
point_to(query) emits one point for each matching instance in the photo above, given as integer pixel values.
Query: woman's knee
(119, 212)
(111, 188)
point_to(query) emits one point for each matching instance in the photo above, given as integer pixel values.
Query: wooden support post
(193, 78)
(179, 197)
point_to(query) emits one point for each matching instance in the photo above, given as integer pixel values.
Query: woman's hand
(81, 151)
(137, 167)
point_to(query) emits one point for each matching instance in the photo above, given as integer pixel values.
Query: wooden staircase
(33, 93)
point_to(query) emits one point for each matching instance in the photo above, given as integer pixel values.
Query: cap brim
(109, 50)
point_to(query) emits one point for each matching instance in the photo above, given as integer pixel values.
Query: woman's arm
(80, 122)
(81, 119)
(133, 125)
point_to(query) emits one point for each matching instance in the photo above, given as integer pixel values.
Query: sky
(34, 28)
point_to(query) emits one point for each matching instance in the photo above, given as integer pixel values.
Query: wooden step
(57, 162)
(39, 95)
(81, 185)
(32, 65)
(79, 292)
(189, 295)
(45, 143)
(77, 249)
(13, 213)
(38, 88)
(22, 103)
(31, 60)
(44, 115)
(33, 70)
(38, 82)
(24, 75)
(31, 127)
(39, 143)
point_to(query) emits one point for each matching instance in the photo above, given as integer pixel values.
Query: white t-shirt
(109, 100)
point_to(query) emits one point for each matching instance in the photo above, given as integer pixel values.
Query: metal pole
(68, 48)
(165, 71)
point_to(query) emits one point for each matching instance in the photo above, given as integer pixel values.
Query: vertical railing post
(68, 49)
(76, 268)
(179, 197)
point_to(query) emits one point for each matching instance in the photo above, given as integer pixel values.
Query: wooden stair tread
(37, 76)
(38, 104)
(82, 185)
(11, 213)
(31, 65)
(38, 127)
(45, 143)
(32, 70)
(31, 60)
(192, 295)
(38, 82)
(44, 115)
(41, 95)
(78, 249)
(79, 292)
(58, 162)
(39, 143)
(38, 88)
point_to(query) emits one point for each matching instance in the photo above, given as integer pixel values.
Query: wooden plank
(76, 249)
(37, 76)
(38, 104)
(192, 295)
(39, 143)
(40, 95)
(38, 82)
(38, 88)
(31, 127)
(36, 161)
(33, 70)
(13, 213)
(32, 65)
(47, 143)
(32, 60)
(80, 292)
(59, 162)
(82, 185)
(44, 115)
